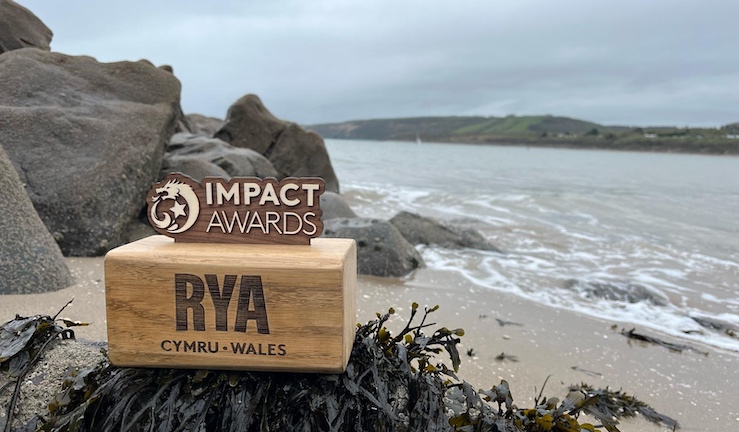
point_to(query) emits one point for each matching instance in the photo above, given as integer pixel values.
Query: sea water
(668, 223)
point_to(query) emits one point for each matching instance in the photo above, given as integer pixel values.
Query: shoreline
(564, 145)
(694, 389)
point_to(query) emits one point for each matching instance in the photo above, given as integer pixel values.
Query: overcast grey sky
(640, 62)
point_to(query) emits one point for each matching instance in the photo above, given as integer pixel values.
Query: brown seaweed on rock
(23, 341)
(393, 382)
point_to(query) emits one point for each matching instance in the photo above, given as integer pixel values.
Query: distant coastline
(539, 131)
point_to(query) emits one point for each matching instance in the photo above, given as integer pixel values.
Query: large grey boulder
(20, 28)
(204, 125)
(333, 206)
(30, 259)
(624, 291)
(199, 156)
(422, 230)
(87, 139)
(292, 150)
(381, 250)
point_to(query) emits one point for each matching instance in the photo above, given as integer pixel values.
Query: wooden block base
(226, 306)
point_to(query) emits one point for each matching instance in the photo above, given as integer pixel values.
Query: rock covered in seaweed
(393, 382)
(45, 380)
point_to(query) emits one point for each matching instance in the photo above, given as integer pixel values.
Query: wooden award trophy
(238, 280)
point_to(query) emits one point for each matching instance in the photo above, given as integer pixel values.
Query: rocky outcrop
(292, 150)
(87, 139)
(182, 123)
(624, 291)
(301, 153)
(203, 125)
(334, 206)
(20, 28)
(422, 230)
(198, 157)
(30, 259)
(250, 125)
(381, 250)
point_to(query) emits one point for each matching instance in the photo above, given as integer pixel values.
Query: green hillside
(544, 130)
(396, 129)
(731, 128)
(444, 128)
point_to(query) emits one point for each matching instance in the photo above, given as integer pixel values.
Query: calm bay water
(667, 223)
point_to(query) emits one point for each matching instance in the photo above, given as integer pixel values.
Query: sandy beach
(695, 389)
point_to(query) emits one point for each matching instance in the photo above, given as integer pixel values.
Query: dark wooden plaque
(239, 210)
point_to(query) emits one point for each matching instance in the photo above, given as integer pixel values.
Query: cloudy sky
(631, 62)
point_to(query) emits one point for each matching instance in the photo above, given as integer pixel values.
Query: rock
(301, 153)
(250, 125)
(617, 291)
(381, 249)
(30, 259)
(87, 139)
(191, 166)
(292, 150)
(44, 381)
(20, 28)
(139, 231)
(182, 124)
(422, 230)
(334, 206)
(198, 156)
(203, 125)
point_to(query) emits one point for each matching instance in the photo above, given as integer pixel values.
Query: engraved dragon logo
(176, 191)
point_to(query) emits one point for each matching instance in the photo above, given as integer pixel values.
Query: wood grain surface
(185, 305)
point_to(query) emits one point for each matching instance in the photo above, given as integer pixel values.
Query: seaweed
(22, 342)
(586, 371)
(391, 383)
(475, 410)
(617, 404)
(715, 325)
(504, 323)
(632, 334)
(398, 382)
(503, 356)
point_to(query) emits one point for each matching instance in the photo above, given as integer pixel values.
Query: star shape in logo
(178, 209)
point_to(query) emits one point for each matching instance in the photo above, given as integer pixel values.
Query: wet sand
(697, 390)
